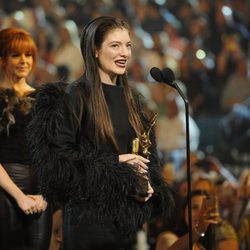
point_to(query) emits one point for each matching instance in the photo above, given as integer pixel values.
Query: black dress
(86, 234)
(18, 230)
(85, 175)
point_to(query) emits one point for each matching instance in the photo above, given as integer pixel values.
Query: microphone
(166, 75)
(156, 74)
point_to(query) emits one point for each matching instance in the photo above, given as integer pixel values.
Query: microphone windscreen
(168, 75)
(156, 74)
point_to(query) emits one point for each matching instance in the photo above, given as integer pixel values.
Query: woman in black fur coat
(81, 136)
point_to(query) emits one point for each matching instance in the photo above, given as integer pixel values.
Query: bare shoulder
(165, 240)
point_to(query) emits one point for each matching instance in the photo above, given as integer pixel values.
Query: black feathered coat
(74, 171)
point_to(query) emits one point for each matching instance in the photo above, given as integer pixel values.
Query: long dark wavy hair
(92, 38)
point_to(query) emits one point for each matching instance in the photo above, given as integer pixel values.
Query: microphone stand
(174, 84)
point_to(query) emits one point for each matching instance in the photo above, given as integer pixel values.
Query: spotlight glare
(200, 54)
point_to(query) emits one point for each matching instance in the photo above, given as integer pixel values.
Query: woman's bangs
(23, 46)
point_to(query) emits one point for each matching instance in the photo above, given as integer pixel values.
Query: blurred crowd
(206, 44)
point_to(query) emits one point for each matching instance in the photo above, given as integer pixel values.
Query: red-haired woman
(25, 218)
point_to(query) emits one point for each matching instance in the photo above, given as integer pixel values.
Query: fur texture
(98, 183)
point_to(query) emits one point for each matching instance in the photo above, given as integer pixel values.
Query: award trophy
(141, 144)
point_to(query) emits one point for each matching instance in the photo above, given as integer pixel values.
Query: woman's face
(114, 54)
(19, 65)
(196, 207)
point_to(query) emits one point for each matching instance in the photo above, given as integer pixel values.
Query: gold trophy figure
(141, 145)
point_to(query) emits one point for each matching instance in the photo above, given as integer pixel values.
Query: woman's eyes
(119, 45)
(15, 54)
(28, 54)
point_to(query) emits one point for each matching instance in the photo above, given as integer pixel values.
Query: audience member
(237, 87)
(225, 234)
(202, 217)
(67, 50)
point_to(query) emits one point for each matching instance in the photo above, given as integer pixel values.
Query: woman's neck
(21, 87)
(108, 79)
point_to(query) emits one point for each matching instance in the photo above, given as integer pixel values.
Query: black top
(14, 117)
(118, 109)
